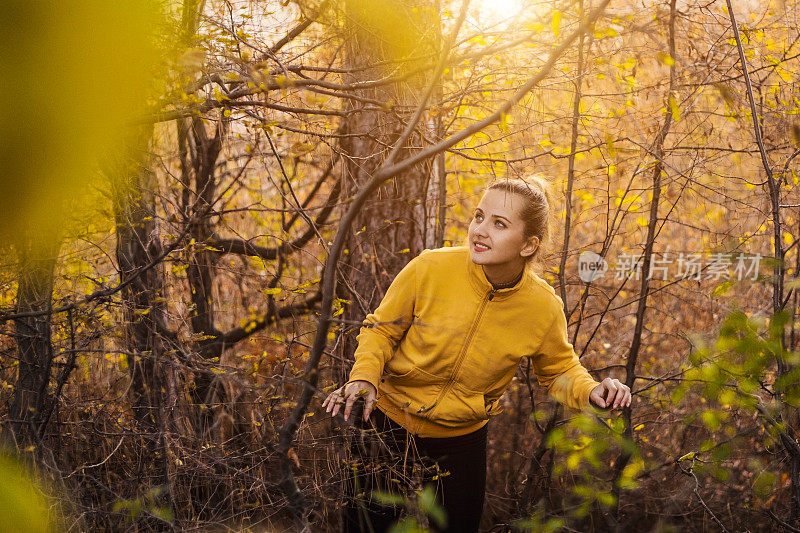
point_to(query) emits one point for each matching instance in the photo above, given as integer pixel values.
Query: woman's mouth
(479, 247)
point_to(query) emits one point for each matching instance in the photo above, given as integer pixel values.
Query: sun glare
(494, 11)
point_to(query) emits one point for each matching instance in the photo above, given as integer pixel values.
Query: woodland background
(183, 182)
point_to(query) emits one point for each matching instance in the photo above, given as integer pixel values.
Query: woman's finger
(597, 396)
(337, 405)
(331, 401)
(328, 403)
(610, 392)
(369, 399)
(619, 393)
(622, 396)
(609, 397)
(619, 397)
(349, 405)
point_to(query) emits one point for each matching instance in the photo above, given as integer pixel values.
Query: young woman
(443, 345)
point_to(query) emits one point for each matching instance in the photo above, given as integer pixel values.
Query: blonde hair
(537, 194)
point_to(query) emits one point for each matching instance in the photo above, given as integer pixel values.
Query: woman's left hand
(611, 393)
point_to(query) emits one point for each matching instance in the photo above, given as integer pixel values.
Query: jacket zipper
(489, 296)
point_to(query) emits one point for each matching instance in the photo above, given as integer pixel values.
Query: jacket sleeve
(383, 329)
(558, 368)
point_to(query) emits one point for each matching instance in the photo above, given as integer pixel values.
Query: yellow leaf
(573, 460)
(219, 96)
(556, 23)
(784, 74)
(612, 151)
(665, 58)
(673, 105)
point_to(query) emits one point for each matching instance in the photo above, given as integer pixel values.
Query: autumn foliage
(161, 300)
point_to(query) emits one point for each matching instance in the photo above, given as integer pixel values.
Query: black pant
(391, 460)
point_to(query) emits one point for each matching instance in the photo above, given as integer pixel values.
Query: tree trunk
(199, 154)
(138, 245)
(37, 252)
(404, 217)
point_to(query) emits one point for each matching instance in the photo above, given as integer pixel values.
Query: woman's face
(496, 234)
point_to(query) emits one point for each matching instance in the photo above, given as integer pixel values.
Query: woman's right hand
(347, 395)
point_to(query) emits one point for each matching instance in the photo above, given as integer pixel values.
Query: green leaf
(387, 498)
(427, 502)
(722, 288)
(763, 483)
(606, 498)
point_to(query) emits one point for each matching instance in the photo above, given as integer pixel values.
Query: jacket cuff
(371, 379)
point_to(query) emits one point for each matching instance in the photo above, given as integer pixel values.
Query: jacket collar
(477, 278)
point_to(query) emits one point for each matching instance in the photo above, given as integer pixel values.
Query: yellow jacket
(443, 345)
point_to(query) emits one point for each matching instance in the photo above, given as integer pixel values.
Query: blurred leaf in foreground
(23, 508)
(75, 75)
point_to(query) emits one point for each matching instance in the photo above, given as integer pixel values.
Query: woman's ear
(530, 246)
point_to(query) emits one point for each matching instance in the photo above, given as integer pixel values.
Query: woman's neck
(504, 279)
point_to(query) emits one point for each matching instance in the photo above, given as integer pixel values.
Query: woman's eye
(478, 216)
(501, 224)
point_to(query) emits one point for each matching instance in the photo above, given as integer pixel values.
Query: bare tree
(394, 225)
(37, 253)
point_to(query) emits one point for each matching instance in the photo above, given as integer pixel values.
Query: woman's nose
(480, 229)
